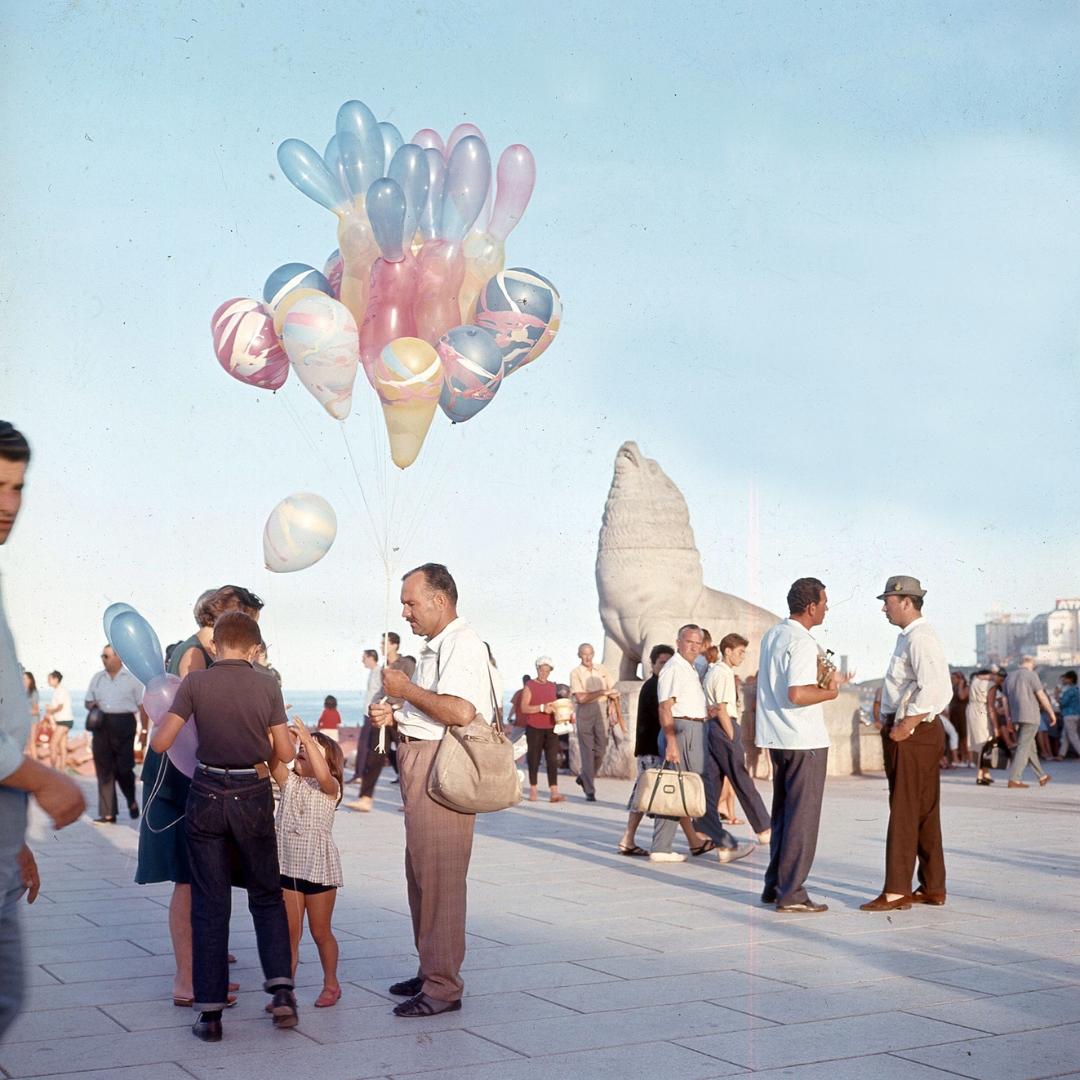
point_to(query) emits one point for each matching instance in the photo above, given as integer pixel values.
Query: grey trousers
(693, 751)
(798, 785)
(592, 736)
(1027, 751)
(12, 831)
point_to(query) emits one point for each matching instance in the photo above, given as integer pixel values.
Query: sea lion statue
(648, 573)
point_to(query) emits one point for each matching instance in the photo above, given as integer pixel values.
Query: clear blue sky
(826, 253)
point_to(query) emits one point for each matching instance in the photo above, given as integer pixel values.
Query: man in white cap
(917, 687)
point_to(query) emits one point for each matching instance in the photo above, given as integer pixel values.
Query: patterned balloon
(516, 307)
(298, 533)
(246, 345)
(408, 378)
(472, 371)
(293, 276)
(321, 339)
(332, 271)
(554, 323)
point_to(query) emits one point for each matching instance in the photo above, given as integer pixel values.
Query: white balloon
(298, 533)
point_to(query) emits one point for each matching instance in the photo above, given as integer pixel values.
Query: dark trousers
(912, 767)
(798, 785)
(542, 741)
(113, 747)
(726, 758)
(369, 762)
(592, 736)
(226, 813)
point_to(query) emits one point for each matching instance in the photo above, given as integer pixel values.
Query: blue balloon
(360, 144)
(392, 142)
(432, 215)
(468, 177)
(134, 641)
(409, 170)
(386, 209)
(472, 371)
(110, 613)
(308, 172)
(293, 276)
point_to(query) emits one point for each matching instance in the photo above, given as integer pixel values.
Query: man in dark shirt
(240, 718)
(646, 734)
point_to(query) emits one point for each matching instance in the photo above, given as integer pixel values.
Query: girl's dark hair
(330, 702)
(33, 681)
(335, 760)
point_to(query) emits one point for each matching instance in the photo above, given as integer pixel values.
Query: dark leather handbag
(95, 719)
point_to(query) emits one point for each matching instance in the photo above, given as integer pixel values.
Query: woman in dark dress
(162, 841)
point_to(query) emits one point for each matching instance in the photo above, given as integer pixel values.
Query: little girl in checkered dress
(309, 859)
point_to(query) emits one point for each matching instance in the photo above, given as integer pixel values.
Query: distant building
(1052, 638)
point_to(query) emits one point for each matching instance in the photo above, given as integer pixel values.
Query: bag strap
(496, 708)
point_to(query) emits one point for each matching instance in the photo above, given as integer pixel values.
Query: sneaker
(666, 856)
(726, 855)
(284, 1008)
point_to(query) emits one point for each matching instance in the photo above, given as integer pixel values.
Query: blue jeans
(227, 814)
(12, 833)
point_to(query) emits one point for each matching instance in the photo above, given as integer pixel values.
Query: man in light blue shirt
(58, 796)
(790, 724)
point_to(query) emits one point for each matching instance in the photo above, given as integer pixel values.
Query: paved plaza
(586, 964)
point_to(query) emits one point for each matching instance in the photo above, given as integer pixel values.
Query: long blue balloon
(392, 142)
(110, 613)
(386, 209)
(308, 172)
(409, 170)
(360, 144)
(468, 177)
(134, 641)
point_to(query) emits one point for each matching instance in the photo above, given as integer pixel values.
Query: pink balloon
(157, 701)
(517, 178)
(158, 696)
(459, 133)
(390, 310)
(426, 137)
(440, 274)
(246, 345)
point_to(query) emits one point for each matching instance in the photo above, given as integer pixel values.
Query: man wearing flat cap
(917, 688)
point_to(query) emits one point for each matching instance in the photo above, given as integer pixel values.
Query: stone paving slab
(583, 963)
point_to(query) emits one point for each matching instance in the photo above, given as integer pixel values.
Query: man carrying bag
(451, 688)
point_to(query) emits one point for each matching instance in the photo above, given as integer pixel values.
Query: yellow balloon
(286, 303)
(408, 379)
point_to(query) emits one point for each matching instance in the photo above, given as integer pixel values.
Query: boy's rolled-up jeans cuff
(279, 983)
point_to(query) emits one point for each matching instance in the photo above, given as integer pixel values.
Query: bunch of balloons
(416, 291)
(133, 639)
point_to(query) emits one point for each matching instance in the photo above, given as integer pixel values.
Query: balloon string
(363, 495)
(386, 642)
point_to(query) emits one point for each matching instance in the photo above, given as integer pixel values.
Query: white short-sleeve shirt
(720, 687)
(454, 662)
(680, 681)
(789, 657)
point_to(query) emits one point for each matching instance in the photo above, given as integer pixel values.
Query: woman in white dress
(981, 720)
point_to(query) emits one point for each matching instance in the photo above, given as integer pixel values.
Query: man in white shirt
(682, 742)
(791, 726)
(450, 687)
(917, 688)
(724, 736)
(118, 694)
(20, 777)
(592, 688)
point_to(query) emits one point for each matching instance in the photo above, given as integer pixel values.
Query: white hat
(545, 661)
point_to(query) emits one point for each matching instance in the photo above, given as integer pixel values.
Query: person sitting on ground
(240, 720)
(537, 697)
(330, 718)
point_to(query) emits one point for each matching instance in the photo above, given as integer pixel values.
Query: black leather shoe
(284, 1009)
(207, 1030)
(768, 898)
(590, 798)
(104, 821)
(806, 907)
(408, 987)
(133, 810)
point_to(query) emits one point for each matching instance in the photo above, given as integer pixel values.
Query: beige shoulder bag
(474, 770)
